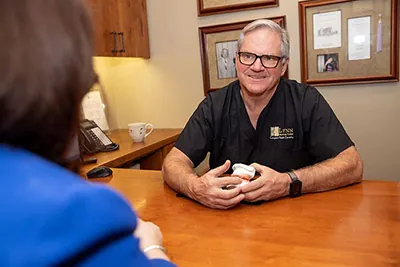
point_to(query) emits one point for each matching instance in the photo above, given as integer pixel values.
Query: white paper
(327, 30)
(93, 109)
(359, 38)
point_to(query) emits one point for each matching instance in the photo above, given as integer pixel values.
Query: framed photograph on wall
(209, 7)
(348, 41)
(218, 48)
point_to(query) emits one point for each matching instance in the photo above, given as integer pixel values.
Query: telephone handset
(93, 139)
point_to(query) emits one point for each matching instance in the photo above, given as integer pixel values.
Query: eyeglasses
(268, 61)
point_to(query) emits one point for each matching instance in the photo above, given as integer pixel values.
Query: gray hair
(271, 25)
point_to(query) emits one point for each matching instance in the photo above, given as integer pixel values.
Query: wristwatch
(295, 185)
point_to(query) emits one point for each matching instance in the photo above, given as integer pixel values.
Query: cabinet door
(105, 21)
(132, 20)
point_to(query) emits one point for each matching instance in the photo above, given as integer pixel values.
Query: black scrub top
(296, 129)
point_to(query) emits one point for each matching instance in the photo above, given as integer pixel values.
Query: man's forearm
(178, 175)
(346, 168)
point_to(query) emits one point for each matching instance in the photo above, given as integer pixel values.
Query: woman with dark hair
(330, 65)
(49, 215)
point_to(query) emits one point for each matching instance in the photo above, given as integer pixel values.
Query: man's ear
(285, 66)
(235, 60)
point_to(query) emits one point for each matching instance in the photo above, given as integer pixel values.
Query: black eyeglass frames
(268, 61)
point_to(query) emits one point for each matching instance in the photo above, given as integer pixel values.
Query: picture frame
(210, 7)
(348, 41)
(218, 42)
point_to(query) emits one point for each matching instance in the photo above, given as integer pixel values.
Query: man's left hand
(270, 185)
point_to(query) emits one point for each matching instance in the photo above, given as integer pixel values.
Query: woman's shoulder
(52, 190)
(55, 211)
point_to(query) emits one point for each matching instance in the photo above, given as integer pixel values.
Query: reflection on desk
(149, 153)
(357, 225)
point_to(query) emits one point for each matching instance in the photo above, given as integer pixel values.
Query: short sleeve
(195, 139)
(325, 135)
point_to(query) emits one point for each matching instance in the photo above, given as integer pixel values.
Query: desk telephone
(92, 139)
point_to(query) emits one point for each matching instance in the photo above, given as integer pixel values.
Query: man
(285, 129)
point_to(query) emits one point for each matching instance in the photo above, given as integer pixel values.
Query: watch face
(295, 188)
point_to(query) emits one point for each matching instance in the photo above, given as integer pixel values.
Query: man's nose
(257, 65)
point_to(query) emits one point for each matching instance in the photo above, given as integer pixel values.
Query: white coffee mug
(139, 131)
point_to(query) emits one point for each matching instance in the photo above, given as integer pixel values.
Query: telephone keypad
(100, 137)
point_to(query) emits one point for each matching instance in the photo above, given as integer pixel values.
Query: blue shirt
(52, 217)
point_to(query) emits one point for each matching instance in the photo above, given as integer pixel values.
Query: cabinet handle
(114, 34)
(121, 34)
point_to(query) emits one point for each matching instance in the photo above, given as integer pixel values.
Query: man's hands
(270, 185)
(207, 189)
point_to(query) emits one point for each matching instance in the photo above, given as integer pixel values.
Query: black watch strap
(295, 187)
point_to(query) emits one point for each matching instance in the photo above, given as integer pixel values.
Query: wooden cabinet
(155, 160)
(121, 28)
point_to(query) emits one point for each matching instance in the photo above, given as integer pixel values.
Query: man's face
(256, 79)
(224, 53)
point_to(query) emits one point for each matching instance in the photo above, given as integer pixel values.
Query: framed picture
(348, 41)
(209, 7)
(218, 47)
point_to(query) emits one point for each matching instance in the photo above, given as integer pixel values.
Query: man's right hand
(207, 189)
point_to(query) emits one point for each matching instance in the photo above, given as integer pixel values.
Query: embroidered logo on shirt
(281, 133)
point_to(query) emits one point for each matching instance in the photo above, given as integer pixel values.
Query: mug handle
(151, 129)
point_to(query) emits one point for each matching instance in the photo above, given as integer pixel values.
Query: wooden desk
(354, 226)
(149, 153)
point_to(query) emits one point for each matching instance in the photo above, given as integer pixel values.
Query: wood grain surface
(357, 225)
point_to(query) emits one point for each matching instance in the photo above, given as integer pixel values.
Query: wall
(166, 89)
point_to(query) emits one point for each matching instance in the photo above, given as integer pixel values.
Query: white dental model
(243, 171)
